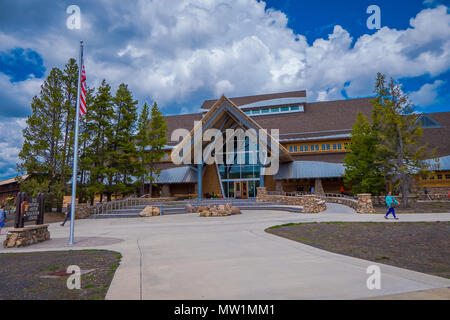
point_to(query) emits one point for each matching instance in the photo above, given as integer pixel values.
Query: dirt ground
(23, 276)
(418, 246)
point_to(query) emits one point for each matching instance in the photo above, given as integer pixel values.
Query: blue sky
(181, 52)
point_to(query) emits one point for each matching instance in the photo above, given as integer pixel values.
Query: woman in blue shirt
(390, 203)
(2, 218)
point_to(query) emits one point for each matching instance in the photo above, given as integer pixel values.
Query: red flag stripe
(83, 108)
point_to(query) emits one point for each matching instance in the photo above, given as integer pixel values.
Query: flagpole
(75, 149)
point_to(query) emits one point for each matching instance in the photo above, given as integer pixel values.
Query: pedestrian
(425, 190)
(342, 189)
(2, 218)
(68, 213)
(390, 203)
(312, 189)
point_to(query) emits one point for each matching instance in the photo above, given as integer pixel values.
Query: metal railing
(302, 193)
(101, 208)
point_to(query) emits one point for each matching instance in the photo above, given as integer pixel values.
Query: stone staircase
(178, 207)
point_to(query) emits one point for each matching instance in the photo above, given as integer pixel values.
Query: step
(114, 215)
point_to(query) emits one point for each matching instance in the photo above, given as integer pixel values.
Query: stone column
(365, 203)
(165, 191)
(261, 194)
(318, 188)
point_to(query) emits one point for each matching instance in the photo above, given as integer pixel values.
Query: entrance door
(241, 189)
(244, 190)
(237, 190)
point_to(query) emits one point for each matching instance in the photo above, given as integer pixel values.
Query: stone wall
(21, 237)
(309, 203)
(316, 203)
(435, 193)
(83, 210)
(352, 203)
(365, 203)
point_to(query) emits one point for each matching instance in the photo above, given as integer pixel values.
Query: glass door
(244, 190)
(237, 189)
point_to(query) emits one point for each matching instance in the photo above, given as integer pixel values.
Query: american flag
(83, 91)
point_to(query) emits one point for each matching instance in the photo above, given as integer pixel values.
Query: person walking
(2, 218)
(390, 203)
(425, 190)
(68, 212)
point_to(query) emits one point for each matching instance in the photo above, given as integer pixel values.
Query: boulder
(189, 208)
(235, 210)
(149, 211)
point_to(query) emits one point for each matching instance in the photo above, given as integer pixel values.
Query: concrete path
(188, 257)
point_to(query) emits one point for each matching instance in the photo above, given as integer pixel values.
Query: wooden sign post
(29, 209)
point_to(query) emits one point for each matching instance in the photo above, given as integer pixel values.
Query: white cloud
(184, 50)
(10, 144)
(427, 94)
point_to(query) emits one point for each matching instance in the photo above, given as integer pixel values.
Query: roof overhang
(225, 114)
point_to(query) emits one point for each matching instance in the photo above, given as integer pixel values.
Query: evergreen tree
(142, 142)
(157, 140)
(100, 128)
(362, 171)
(124, 164)
(41, 155)
(399, 148)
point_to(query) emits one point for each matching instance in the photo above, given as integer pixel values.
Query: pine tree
(157, 140)
(124, 162)
(41, 155)
(363, 174)
(100, 125)
(399, 133)
(142, 142)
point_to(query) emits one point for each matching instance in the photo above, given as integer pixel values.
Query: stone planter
(28, 235)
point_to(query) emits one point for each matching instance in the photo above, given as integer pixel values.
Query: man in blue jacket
(390, 202)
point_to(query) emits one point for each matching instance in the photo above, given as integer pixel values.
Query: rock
(200, 209)
(235, 210)
(189, 208)
(205, 213)
(149, 211)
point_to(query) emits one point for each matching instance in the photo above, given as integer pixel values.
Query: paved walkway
(188, 257)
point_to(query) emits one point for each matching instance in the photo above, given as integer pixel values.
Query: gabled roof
(13, 180)
(247, 100)
(428, 122)
(226, 112)
(183, 174)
